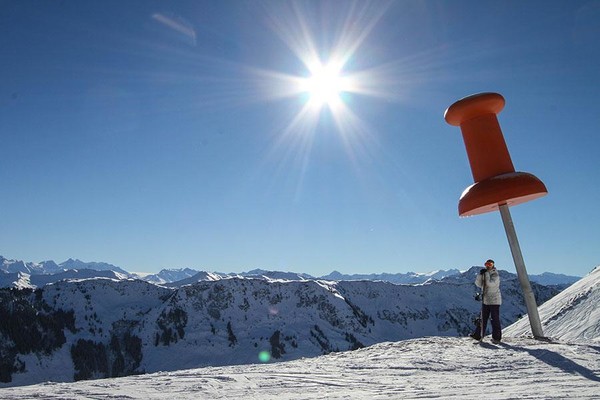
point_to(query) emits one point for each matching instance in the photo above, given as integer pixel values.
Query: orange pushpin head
(486, 149)
(474, 106)
(496, 181)
(511, 189)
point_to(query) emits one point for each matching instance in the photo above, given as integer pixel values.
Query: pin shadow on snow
(556, 360)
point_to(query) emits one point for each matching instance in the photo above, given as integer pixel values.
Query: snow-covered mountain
(183, 276)
(572, 315)
(104, 327)
(180, 276)
(170, 275)
(38, 281)
(549, 278)
(50, 267)
(11, 266)
(98, 266)
(400, 278)
(199, 277)
(22, 280)
(276, 275)
(17, 280)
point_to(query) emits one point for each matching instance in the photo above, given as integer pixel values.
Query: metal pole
(532, 311)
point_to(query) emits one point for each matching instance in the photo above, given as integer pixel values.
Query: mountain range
(50, 267)
(97, 328)
(24, 274)
(105, 327)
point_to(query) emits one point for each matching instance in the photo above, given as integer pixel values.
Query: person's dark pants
(492, 311)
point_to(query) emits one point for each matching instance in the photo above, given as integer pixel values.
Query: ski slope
(572, 315)
(432, 368)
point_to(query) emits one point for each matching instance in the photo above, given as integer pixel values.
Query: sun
(325, 85)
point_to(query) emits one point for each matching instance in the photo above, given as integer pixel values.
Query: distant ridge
(98, 266)
(50, 267)
(400, 278)
(182, 276)
(170, 275)
(549, 278)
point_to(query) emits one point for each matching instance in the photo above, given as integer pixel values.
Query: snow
(229, 321)
(49, 271)
(18, 280)
(571, 315)
(432, 367)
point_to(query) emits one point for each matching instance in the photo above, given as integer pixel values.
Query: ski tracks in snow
(432, 368)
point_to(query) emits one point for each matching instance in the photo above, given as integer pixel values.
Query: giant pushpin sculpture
(497, 186)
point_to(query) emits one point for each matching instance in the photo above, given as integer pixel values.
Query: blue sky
(152, 134)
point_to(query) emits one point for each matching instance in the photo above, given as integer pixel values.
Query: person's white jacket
(491, 293)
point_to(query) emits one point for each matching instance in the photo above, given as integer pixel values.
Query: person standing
(488, 280)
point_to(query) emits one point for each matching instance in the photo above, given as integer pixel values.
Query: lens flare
(264, 356)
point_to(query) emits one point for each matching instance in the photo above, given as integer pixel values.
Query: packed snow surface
(432, 368)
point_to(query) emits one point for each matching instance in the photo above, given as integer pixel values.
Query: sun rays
(312, 74)
(326, 42)
(318, 95)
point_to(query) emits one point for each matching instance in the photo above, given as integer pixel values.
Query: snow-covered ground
(571, 315)
(432, 368)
